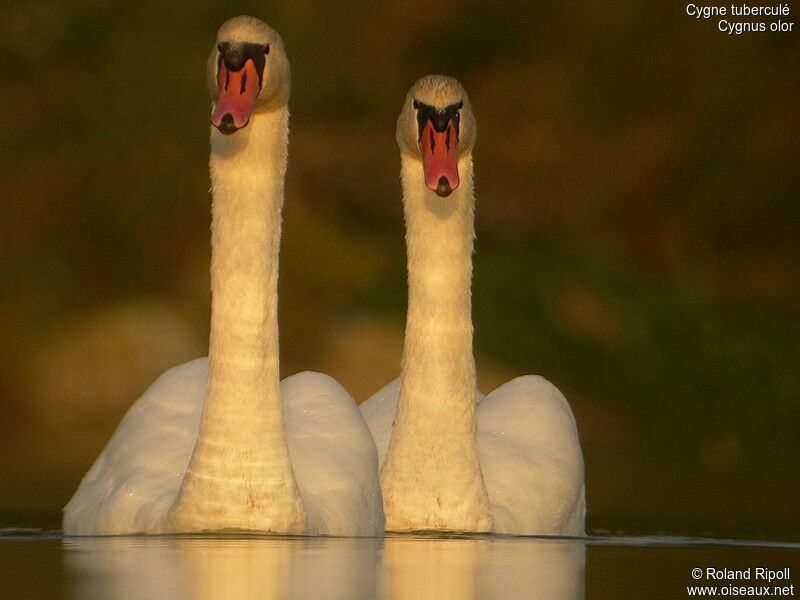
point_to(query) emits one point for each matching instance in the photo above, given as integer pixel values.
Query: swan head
(248, 72)
(437, 127)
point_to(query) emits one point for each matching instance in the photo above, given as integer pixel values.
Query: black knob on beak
(226, 126)
(443, 187)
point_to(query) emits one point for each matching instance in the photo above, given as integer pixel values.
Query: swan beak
(440, 157)
(238, 91)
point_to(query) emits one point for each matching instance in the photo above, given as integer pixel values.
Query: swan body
(452, 459)
(220, 443)
(528, 451)
(135, 480)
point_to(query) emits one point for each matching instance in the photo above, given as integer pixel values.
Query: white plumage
(528, 450)
(219, 443)
(135, 480)
(452, 459)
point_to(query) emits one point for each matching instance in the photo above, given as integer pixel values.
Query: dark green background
(638, 221)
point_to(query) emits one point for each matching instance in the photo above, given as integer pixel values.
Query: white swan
(205, 447)
(452, 459)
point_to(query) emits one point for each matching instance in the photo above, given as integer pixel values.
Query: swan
(452, 459)
(219, 443)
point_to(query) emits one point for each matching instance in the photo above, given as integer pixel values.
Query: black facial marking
(439, 119)
(235, 55)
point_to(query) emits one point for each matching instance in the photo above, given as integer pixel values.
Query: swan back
(333, 456)
(134, 481)
(531, 459)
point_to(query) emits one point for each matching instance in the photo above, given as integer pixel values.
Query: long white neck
(240, 475)
(431, 477)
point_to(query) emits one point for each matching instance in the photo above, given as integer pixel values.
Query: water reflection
(542, 570)
(259, 567)
(488, 567)
(221, 567)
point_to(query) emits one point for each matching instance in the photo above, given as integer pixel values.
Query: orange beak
(440, 157)
(236, 101)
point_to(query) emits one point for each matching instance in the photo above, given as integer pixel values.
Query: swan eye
(266, 48)
(415, 104)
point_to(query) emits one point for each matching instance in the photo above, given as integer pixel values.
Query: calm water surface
(35, 564)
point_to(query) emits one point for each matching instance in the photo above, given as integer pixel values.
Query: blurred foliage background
(638, 231)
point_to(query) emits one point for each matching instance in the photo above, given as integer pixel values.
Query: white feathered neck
(240, 470)
(431, 478)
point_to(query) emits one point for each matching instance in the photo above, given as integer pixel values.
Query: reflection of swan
(511, 464)
(205, 447)
(222, 568)
(526, 568)
(421, 568)
(394, 568)
(460, 569)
